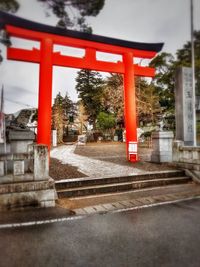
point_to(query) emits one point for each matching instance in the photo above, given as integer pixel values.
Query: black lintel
(9, 19)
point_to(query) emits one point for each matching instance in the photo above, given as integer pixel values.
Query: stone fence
(187, 157)
(25, 181)
(35, 161)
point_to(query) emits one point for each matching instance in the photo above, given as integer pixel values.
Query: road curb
(155, 204)
(77, 217)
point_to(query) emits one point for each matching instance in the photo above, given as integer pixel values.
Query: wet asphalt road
(161, 236)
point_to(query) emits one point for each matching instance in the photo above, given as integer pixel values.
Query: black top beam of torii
(6, 18)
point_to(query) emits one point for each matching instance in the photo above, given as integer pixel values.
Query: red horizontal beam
(144, 71)
(87, 62)
(23, 54)
(74, 42)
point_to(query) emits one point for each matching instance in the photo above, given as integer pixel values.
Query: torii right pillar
(130, 108)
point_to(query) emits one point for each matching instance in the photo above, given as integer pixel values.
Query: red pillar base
(133, 158)
(133, 152)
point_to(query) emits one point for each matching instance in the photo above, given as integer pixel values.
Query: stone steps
(80, 182)
(87, 187)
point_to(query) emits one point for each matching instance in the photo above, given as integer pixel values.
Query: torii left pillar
(45, 93)
(130, 108)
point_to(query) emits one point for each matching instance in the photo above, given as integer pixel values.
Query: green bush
(105, 121)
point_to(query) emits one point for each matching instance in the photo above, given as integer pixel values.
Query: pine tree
(90, 87)
(64, 111)
(164, 81)
(57, 117)
(72, 13)
(184, 58)
(9, 5)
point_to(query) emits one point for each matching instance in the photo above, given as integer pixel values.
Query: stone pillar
(18, 167)
(1, 168)
(177, 154)
(162, 146)
(41, 162)
(184, 106)
(54, 137)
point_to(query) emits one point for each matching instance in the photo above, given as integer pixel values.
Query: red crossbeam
(74, 42)
(23, 54)
(87, 62)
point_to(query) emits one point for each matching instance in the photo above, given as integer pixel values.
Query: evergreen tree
(90, 87)
(164, 81)
(9, 5)
(184, 58)
(57, 117)
(71, 13)
(105, 121)
(66, 105)
(69, 109)
(63, 113)
(166, 65)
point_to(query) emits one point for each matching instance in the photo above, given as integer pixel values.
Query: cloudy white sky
(165, 21)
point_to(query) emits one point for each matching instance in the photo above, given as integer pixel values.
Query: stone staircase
(83, 187)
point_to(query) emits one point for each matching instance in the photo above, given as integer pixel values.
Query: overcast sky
(165, 21)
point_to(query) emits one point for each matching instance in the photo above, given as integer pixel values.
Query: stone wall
(186, 157)
(29, 184)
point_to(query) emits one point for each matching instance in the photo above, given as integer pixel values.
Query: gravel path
(99, 160)
(89, 166)
(60, 171)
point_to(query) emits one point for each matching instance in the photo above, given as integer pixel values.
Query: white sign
(54, 137)
(132, 147)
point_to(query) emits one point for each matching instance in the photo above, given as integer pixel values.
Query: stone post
(184, 106)
(18, 167)
(162, 146)
(41, 162)
(177, 154)
(54, 138)
(1, 168)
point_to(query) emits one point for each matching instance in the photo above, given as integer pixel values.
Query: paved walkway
(140, 199)
(91, 167)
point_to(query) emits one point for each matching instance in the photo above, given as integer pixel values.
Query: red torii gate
(48, 36)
